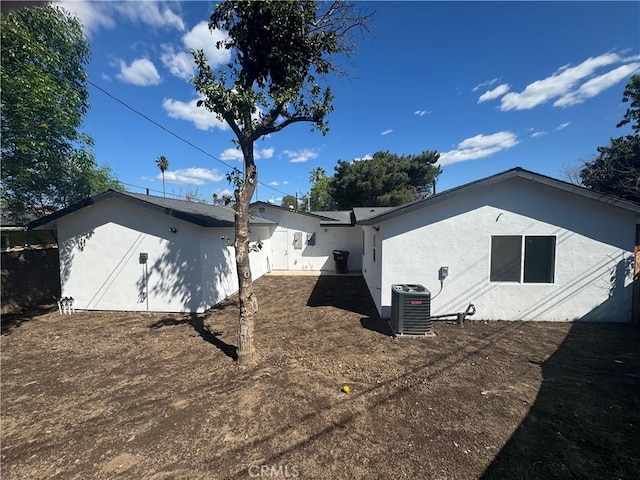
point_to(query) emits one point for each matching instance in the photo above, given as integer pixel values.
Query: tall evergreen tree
(386, 180)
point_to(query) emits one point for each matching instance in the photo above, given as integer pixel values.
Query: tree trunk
(248, 301)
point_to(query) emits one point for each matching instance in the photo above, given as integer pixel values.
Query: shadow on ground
(346, 293)
(586, 419)
(10, 321)
(197, 322)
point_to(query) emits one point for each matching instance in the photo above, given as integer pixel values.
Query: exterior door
(280, 250)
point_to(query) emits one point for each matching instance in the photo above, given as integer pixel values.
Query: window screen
(539, 259)
(505, 258)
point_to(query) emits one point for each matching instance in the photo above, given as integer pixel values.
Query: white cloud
(264, 153)
(192, 176)
(421, 113)
(479, 146)
(556, 85)
(593, 87)
(155, 14)
(486, 84)
(141, 72)
(300, 156)
(232, 154)
(92, 15)
(97, 15)
(286, 182)
(179, 64)
(495, 93)
(226, 192)
(386, 132)
(200, 38)
(538, 134)
(562, 126)
(274, 183)
(202, 118)
(368, 156)
(235, 154)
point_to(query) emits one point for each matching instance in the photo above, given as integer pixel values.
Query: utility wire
(26, 40)
(174, 134)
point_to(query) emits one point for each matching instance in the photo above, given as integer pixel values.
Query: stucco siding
(218, 263)
(594, 245)
(285, 256)
(99, 259)
(372, 269)
(190, 270)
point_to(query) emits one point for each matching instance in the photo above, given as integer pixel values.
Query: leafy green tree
(385, 180)
(632, 94)
(616, 170)
(163, 165)
(280, 50)
(290, 201)
(321, 199)
(46, 161)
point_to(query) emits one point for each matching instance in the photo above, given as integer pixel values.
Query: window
(505, 258)
(363, 250)
(535, 263)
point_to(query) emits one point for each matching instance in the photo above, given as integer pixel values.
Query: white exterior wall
(310, 257)
(593, 250)
(371, 270)
(218, 263)
(188, 271)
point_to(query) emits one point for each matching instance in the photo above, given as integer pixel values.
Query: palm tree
(163, 164)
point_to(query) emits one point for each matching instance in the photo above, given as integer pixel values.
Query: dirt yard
(134, 396)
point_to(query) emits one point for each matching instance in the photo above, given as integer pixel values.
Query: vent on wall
(410, 309)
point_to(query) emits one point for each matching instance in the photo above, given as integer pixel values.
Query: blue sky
(489, 85)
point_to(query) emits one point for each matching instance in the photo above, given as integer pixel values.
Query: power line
(126, 105)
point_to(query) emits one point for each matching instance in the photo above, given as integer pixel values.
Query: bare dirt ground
(133, 396)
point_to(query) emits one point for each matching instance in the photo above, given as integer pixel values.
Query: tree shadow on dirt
(584, 423)
(11, 321)
(196, 321)
(346, 293)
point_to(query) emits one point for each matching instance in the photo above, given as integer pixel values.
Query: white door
(279, 247)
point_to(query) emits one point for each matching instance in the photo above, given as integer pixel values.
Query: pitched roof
(202, 214)
(500, 177)
(364, 213)
(318, 215)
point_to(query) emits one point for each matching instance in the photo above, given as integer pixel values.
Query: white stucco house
(307, 240)
(132, 252)
(518, 245)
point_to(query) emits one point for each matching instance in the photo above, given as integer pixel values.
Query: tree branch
(260, 131)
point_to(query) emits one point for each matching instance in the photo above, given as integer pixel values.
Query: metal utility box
(297, 240)
(410, 309)
(311, 239)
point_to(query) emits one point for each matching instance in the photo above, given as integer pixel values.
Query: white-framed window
(523, 258)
